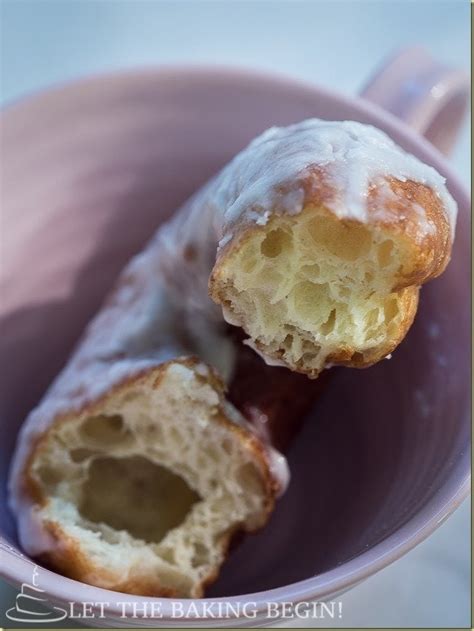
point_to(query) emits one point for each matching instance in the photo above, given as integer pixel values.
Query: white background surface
(334, 43)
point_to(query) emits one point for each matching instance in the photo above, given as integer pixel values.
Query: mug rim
(395, 545)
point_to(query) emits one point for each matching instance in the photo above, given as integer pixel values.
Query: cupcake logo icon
(31, 605)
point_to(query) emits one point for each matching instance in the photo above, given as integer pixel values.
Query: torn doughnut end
(151, 481)
(313, 289)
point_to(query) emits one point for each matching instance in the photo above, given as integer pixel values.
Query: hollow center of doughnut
(137, 495)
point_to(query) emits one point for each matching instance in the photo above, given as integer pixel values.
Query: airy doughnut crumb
(313, 290)
(144, 491)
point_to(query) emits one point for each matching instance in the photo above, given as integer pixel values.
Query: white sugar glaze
(160, 308)
(355, 155)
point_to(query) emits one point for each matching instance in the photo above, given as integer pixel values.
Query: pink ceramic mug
(90, 169)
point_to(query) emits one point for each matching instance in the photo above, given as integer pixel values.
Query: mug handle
(427, 95)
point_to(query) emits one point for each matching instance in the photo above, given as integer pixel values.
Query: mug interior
(91, 170)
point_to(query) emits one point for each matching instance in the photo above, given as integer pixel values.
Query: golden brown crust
(432, 246)
(350, 357)
(398, 212)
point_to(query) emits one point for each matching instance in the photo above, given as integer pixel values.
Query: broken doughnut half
(142, 491)
(328, 269)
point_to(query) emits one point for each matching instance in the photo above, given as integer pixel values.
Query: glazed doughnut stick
(136, 469)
